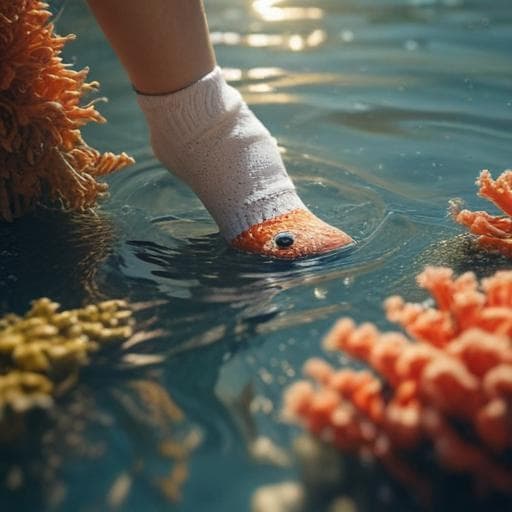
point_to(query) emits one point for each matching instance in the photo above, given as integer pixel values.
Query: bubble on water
(347, 36)
(320, 293)
(411, 45)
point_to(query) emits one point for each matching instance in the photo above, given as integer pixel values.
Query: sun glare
(269, 11)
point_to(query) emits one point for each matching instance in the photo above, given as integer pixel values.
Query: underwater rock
(494, 231)
(440, 399)
(43, 157)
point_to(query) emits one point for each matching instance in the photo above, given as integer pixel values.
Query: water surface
(384, 110)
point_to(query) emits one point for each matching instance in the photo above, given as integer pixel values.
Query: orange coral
(494, 232)
(450, 389)
(43, 157)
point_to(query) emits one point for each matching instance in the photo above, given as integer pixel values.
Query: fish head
(296, 234)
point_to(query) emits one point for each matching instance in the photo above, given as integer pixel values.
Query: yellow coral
(43, 158)
(20, 391)
(40, 355)
(46, 346)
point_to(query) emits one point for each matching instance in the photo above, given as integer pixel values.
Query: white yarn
(207, 136)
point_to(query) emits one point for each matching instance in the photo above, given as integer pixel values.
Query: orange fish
(296, 234)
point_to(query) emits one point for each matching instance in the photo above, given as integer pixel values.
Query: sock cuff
(191, 109)
(211, 140)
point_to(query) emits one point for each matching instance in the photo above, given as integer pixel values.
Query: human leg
(204, 132)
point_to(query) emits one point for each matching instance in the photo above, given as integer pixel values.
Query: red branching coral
(43, 157)
(449, 390)
(494, 232)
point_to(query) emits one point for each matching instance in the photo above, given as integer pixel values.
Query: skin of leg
(164, 45)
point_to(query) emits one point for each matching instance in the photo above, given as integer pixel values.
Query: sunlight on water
(269, 10)
(294, 42)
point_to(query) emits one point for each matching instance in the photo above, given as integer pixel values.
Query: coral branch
(448, 388)
(43, 158)
(494, 232)
(43, 349)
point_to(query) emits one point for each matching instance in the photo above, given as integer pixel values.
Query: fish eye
(284, 240)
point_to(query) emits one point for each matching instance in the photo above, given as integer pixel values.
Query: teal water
(384, 110)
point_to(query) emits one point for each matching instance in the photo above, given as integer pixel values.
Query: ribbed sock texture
(207, 136)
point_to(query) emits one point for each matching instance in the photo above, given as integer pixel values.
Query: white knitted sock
(209, 138)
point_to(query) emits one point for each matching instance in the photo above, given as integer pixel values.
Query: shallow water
(384, 111)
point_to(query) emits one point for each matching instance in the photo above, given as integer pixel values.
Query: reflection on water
(383, 111)
(53, 254)
(295, 42)
(271, 11)
(75, 438)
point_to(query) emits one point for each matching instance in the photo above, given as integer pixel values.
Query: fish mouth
(293, 235)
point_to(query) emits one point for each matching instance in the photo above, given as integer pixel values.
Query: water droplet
(320, 293)
(411, 45)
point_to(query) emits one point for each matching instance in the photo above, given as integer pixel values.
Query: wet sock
(207, 136)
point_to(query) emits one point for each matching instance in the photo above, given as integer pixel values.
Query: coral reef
(441, 398)
(40, 355)
(43, 157)
(41, 352)
(494, 232)
(48, 416)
